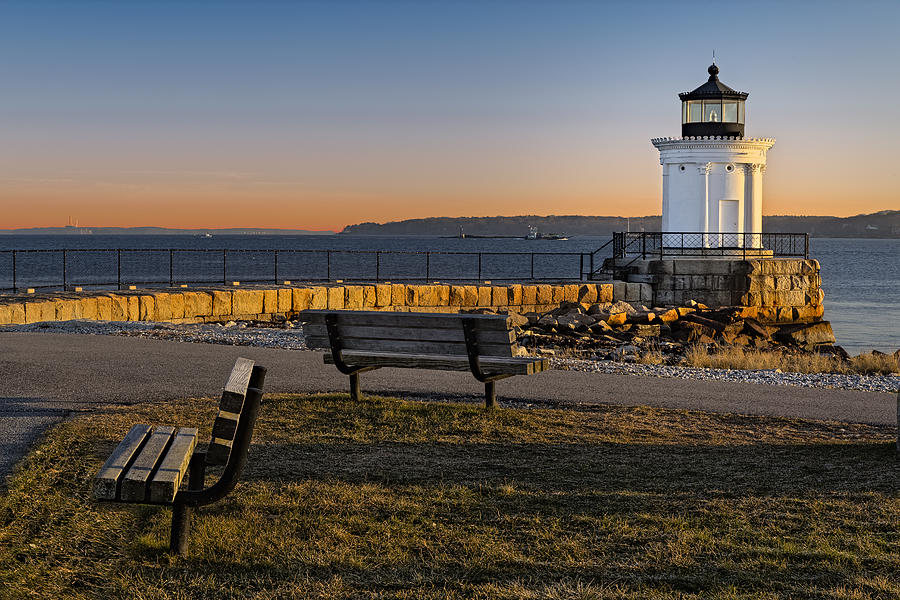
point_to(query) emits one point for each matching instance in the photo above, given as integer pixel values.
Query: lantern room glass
(712, 111)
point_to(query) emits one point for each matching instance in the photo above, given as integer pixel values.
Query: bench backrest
(410, 333)
(230, 408)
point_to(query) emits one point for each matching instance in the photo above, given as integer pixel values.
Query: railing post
(532, 266)
(276, 267)
(644, 245)
(171, 267)
(427, 267)
(224, 266)
(118, 268)
(64, 268)
(377, 266)
(581, 268)
(15, 289)
(328, 265)
(479, 267)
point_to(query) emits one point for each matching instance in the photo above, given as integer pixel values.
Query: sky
(316, 115)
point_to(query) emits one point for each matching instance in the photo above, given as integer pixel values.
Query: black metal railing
(122, 267)
(655, 244)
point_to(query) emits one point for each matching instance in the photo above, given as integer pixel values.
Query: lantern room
(713, 109)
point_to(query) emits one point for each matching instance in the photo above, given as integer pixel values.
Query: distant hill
(156, 231)
(884, 224)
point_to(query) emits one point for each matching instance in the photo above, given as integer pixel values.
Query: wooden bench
(365, 340)
(148, 466)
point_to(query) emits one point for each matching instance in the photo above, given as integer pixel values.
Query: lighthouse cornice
(713, 143)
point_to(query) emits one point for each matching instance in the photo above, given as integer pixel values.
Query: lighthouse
(712, 176)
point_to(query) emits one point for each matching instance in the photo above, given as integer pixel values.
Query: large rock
(806, 334)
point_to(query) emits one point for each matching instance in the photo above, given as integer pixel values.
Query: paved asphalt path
(45, 376)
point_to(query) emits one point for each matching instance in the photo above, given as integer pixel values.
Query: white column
(665, 197)
(755, 225)
(704, 172)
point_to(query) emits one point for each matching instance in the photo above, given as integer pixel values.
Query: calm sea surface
(861, 278)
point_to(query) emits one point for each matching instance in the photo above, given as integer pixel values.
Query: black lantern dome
(713, 109)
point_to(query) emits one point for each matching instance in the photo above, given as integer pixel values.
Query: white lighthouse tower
(712, 176)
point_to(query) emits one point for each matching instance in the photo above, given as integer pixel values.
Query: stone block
(412, 295)
(698, 283)
(514, 294)
(559, 294)
(618, 291)
(198, 304)
(664, 297)
(485, 297)
(499, 296)
(16, 313)
(646, 293)
(398, 295)
(761, 283)
(301, 299)
(809, 267)
(790, 298)
(457, 295)
(702, 266)
(544, 294)
(428, 295)
(604, 292)
(632, 292)
(34, 312)
(221, 304)
(285, 300)
(270, 302)
(370, 297)
(571, 292)
(471, 296)
(335, 298)
(119, 307)
(176, 303)
(661, 267)
(529, 295)
(147, 307)
(87, 306)
(65, 310)
(163, 307)
(587, 293)
(5, 314)
(104, 308)
(353, 298)
(383, 294)
(319, 298)
(443, 295)
(247, 302)
(134, 308)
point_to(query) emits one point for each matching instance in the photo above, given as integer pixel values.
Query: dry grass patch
(735, 357)
(392, 499)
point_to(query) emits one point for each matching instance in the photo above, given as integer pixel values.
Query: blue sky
(385, 110)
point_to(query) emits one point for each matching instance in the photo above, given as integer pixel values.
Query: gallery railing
(655, 244)
(122, 267)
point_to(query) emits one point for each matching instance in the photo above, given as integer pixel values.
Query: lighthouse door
(728, 224)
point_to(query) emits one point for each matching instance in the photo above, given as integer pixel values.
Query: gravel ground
(287, 337)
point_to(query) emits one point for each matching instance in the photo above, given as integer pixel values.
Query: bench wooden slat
(230, 407)
(399, 319)
(423, 334)
(168, 477)
(134, 484)
(511, 365)
(106, 483)
(412, 347)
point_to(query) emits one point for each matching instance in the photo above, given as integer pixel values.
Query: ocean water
(861, 277)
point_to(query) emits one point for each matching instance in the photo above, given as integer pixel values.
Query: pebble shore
(288, 337)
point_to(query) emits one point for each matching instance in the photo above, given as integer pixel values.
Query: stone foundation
(776, 290)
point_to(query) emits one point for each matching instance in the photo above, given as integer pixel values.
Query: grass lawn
(394, 499)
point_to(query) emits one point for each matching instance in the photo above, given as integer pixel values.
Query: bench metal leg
(355, 394)
(490, 395)
(181, 513)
